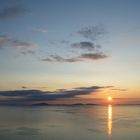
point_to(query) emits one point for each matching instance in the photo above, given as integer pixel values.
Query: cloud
(80, 58)
(4, 40)
(32, 87)
(23, 96)
(56, 58)
(22, 44)
(93, 56)
(24, 87)
(20, 93)
(87, 45)
(90, 48)
(64, 41)
(12, 12)
(12, 43)
(41, 30)
(66, 93)
(119, 89)
(25, 52)
(92, 32)
(24, 47)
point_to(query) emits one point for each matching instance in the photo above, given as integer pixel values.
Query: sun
(109, 98)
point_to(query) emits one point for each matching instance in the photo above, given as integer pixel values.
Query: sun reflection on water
(109, 120)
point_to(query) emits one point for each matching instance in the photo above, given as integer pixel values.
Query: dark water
(70, 123)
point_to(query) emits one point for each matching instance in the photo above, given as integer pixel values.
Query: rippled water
(70, 123)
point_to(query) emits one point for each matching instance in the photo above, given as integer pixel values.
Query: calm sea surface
(70, 123)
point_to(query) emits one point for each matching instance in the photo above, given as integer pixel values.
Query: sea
(79, 122)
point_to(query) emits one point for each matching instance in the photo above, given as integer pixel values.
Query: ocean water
(70, 123)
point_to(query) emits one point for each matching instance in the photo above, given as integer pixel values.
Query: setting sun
(109, 98)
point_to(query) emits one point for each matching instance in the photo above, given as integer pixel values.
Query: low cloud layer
(29, 96)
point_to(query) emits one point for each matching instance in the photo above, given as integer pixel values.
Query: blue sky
(50, 45)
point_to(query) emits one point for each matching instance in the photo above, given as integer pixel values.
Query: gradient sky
(49, 45)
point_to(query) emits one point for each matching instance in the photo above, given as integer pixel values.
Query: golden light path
(109, 119)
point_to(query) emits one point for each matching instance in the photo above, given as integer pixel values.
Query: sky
(69, 49)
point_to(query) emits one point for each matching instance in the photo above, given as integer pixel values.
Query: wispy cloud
(93, 56)
(86, 45)
(41, 30)
(10, 42)
(32, 87)
(22, 44)
(119, 89)
(12, 12)
(4, 40)
(89, 48)
(92, 32)
(56, 58)
(80, 58)
(25, 52)
(24, 87)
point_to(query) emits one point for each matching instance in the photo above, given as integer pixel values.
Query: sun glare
(109, 98)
